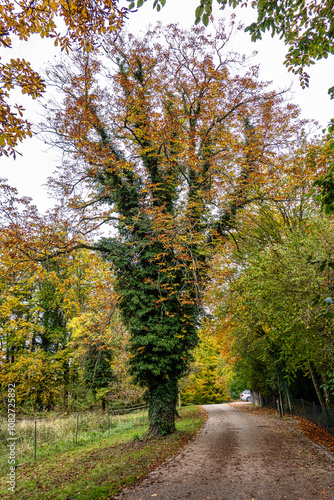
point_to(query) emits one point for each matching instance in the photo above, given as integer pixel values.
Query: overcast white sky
(29, 172)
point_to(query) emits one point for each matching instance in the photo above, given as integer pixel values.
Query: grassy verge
(100, 469)
(58, 434)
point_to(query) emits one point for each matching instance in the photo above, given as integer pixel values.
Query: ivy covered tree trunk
(162, 398)
(164, 155)
(160, 310)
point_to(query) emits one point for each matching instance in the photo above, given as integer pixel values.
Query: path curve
(241, 456)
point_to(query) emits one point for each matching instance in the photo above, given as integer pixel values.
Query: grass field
(59, 433)
(100, 468)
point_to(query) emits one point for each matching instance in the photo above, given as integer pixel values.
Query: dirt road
(240, 456)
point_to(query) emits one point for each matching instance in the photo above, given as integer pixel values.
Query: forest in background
(220, 277)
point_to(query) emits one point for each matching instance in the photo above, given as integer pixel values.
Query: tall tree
(182, 138)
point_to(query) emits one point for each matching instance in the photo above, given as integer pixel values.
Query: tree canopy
(305, 26)
(307, 30)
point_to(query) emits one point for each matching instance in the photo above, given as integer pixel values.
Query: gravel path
(240, 456)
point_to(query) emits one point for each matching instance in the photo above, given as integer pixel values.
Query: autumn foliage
(68, 24)
(199, 176)
(167, 138)
(58, 319)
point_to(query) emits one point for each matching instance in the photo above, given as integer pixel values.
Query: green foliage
(162, 326)
(326, 195)
(157, 347)
(51, 360)
(329, 385)
(36, 338)
(162, 397)
(97, 373)
(306, 28)
(274, 304)
(207, 381)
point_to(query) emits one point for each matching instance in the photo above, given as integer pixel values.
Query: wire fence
(34, 436)
(320, 415)
(123, 410)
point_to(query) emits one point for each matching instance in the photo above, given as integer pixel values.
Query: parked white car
(245, 396)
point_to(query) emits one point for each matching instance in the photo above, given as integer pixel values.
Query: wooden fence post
(35, 452)
(76, 429)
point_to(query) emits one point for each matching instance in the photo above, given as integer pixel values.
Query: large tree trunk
(162, 401)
